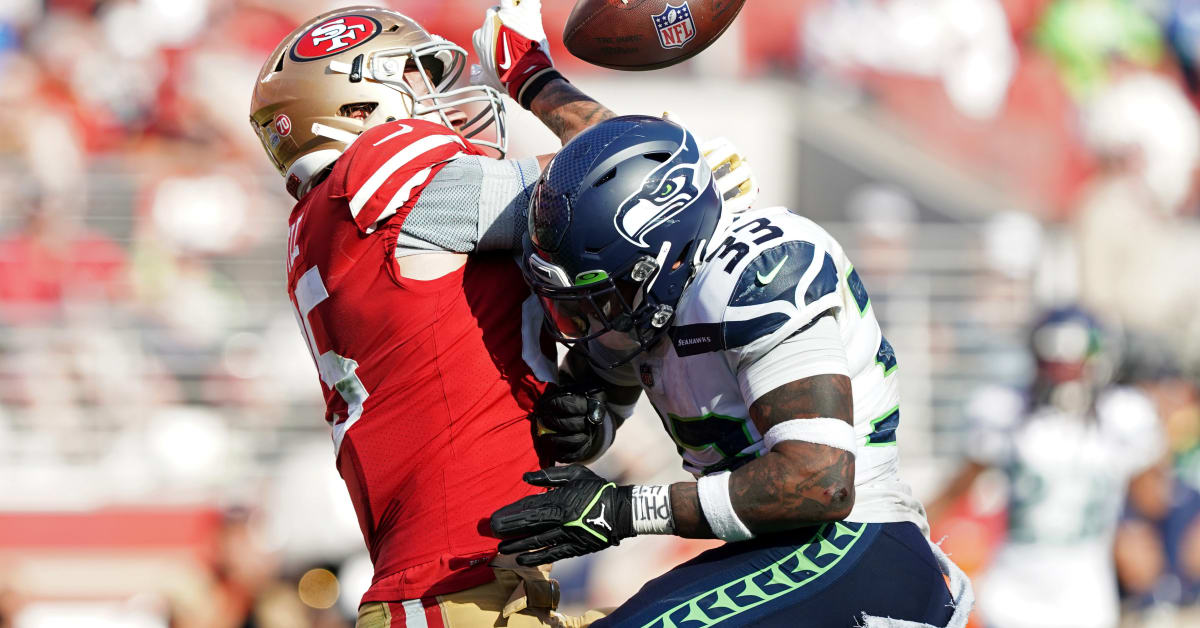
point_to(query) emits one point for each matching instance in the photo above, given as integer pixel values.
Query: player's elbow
(822, 482)
(840, 502)
(832, 502)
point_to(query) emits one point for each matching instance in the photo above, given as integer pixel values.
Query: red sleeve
(383, 172)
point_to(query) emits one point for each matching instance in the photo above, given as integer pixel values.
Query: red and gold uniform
(426, 383)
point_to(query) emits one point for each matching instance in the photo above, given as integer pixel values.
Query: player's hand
(735, 179)
(580, 514)
(511, 46)
(571, 423)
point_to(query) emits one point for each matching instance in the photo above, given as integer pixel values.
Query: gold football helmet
(350, 69)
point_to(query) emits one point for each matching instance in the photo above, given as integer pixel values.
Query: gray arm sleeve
(473, 204)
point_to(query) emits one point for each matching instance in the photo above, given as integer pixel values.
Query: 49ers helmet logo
(334, 36)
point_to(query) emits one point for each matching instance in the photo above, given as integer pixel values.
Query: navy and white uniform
(737, 334)
(1067, 476)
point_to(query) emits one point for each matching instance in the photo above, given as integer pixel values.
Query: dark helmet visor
(581, 313)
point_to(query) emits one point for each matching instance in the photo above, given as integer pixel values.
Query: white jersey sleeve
(814, 350)
(1128, 418)
(994, 414)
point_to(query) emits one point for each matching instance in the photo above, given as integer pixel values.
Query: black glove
(581, 514)
(569, 423)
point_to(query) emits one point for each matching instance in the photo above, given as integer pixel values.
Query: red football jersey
(426, 383)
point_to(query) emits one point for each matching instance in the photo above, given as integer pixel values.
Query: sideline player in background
(756, 342)
(429, 361)
(1069, 447)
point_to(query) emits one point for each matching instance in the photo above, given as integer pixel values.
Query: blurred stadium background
(163, 461)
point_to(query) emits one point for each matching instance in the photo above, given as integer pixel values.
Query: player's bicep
(815, 397)
(800, 390)
(815, 349)
(473, 204)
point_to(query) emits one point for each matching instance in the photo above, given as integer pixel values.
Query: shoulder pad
(772, 273)
(383, 172)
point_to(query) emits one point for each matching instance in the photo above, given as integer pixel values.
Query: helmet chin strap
(306, 168)
(338, 135)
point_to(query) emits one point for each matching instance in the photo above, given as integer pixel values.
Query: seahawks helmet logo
(666, 191)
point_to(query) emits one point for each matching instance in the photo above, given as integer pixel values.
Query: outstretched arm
(794, 484)
(515, 58)
(567, 111)
(806, 476)
(958, 486)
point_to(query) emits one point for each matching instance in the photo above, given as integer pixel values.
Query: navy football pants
(827, 580)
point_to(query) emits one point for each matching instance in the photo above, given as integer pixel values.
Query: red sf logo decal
(334, 36)
(283, 125)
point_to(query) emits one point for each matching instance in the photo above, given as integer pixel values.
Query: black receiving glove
(571, 423)
(581, 514)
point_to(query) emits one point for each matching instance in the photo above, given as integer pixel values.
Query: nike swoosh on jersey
(507, 58)
(769, 277)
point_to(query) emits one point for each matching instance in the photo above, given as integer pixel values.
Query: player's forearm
(566, 111)
(936, 508)
(795, 485)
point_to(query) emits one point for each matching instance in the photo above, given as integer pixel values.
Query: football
(645, 34)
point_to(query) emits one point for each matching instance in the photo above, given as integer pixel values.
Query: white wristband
(822, 431)
(718, 510)
(652, 510)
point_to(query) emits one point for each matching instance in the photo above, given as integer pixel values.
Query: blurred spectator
(9, 607)
(52, 261)
(1183, 35)
(964, 44)
(1084, 37)
(1132, 247)
(1158, 544)
(1068, 445)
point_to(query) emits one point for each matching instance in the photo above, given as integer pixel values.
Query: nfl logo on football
(675, 26)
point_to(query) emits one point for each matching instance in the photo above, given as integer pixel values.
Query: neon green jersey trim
(782, 572)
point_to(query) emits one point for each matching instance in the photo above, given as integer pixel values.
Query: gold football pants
(519, 597)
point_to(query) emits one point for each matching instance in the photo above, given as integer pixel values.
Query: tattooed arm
(796, 483)
(567, 112)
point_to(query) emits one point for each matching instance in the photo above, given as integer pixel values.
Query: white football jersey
(1067, 478)
(769, 274)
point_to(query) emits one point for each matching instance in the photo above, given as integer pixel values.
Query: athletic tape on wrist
(652, 510)
(718, 509)
(823, 431)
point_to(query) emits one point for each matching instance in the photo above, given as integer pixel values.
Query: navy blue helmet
(617, 225)
(1069, 348)
(1066, 335)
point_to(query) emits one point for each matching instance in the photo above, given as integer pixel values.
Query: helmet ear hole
(683, 256)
